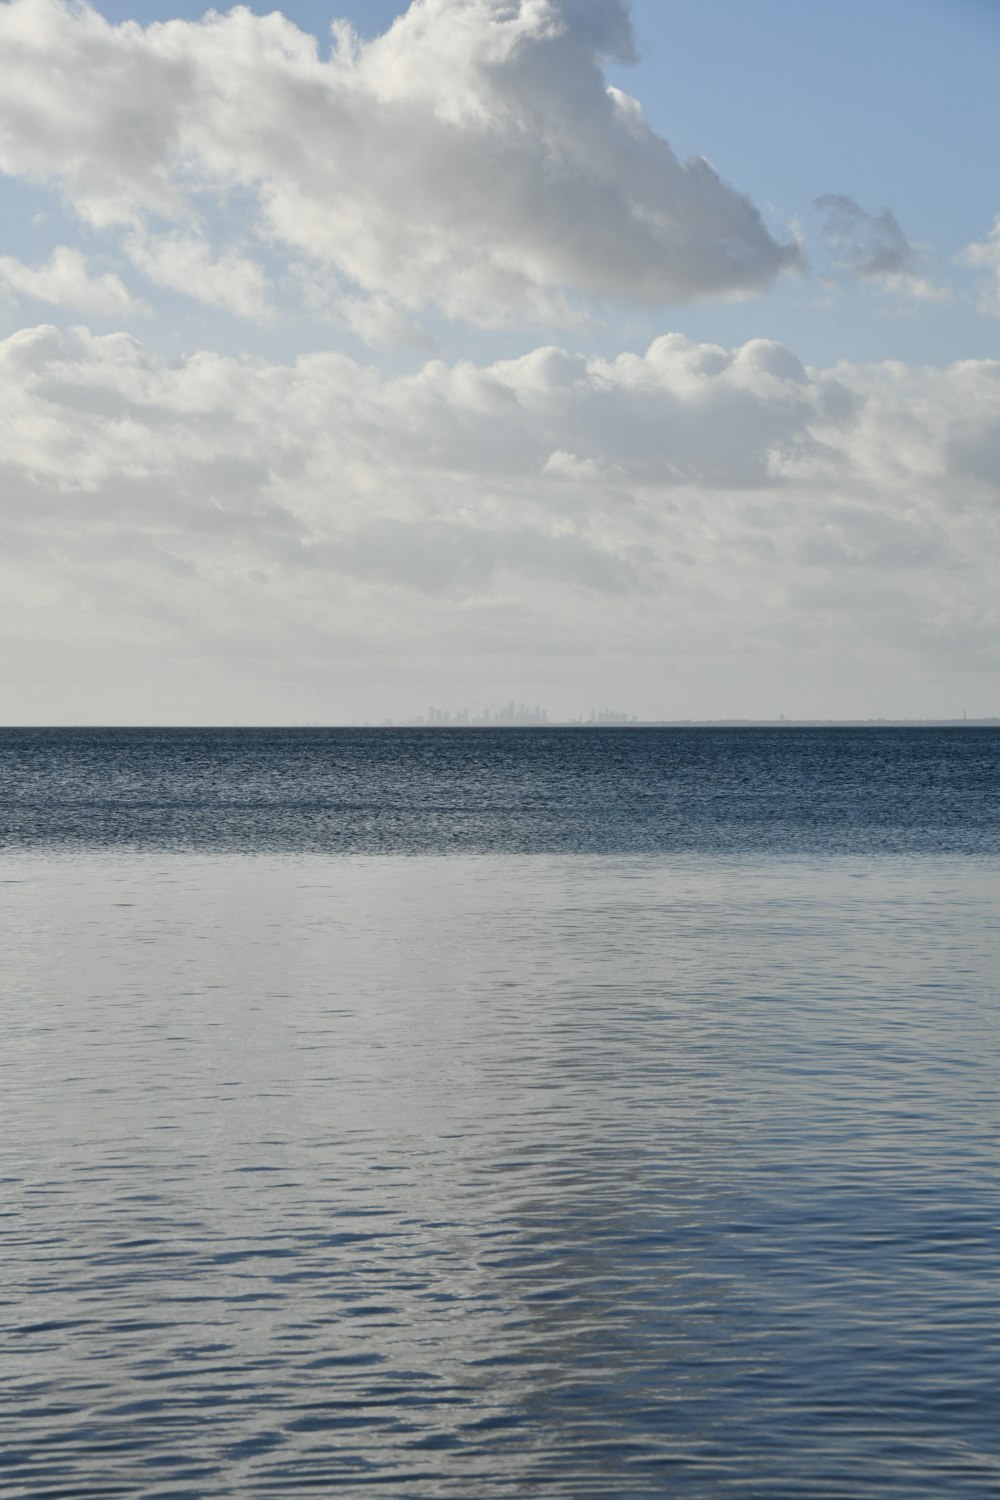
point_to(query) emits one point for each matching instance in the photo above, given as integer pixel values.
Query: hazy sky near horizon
(361, 356)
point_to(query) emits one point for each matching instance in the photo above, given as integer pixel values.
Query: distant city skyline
(515, 714)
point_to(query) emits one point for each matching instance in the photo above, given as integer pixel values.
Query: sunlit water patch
(616, 1176)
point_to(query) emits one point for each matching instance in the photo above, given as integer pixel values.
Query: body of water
(544, 1113)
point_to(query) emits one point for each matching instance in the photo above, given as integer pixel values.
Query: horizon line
(985, 721)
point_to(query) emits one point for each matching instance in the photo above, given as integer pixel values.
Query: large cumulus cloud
(471, 157)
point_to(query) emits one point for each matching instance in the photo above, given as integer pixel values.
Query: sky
(360, 357)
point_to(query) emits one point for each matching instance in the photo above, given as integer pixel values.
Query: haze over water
(525, 1113)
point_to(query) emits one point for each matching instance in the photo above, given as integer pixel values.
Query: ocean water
(522, 1114)
(509, 791)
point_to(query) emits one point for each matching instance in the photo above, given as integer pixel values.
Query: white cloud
(471, 157)
(64, 281)
(380, 323)
(691, 505)
(186, 264)
(875, 248)
(986, 254)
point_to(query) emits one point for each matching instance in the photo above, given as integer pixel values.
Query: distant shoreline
(987, 723)
(991, 723)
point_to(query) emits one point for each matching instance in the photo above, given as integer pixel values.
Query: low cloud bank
(689, 501)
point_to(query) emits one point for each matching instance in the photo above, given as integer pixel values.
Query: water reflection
(473, 1177)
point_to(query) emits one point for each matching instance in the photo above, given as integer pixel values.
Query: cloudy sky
(360, 356)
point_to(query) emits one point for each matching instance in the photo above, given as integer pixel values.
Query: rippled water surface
(619, 1174)
(511, 791)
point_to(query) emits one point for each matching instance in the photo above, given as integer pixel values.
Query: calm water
(645, 1145)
